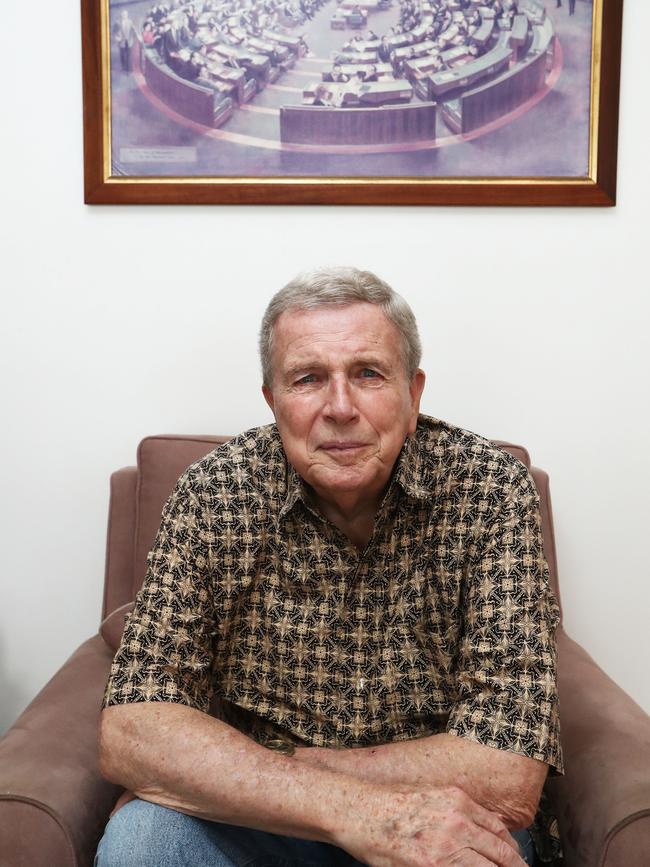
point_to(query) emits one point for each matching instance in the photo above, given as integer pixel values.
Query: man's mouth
(347, 446)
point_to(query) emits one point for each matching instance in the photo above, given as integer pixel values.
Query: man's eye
(305, 380)
(369, 372)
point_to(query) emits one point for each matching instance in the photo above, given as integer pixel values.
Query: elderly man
(359, 595)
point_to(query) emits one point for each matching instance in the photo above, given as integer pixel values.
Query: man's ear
(416, 387)
(268, 397)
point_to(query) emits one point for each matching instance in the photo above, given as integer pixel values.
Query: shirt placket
(354, 593)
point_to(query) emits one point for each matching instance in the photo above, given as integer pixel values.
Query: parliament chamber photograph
(350, 88)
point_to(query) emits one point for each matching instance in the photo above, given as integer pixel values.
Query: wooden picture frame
(595, 186)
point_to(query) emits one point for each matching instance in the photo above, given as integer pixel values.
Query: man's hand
(431, 826)
(505, 783)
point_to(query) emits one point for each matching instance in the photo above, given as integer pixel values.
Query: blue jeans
(142, 834)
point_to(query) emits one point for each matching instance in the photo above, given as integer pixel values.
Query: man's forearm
(183, 759)
(504, 782)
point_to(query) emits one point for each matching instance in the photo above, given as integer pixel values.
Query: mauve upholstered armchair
(54, 803)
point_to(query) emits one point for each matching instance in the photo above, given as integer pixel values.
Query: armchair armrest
(603, 802)
(53, 802)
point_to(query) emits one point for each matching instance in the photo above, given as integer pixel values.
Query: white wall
(122, 322)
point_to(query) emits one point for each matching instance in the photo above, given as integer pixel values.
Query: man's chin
(342, 479)
(353, 460)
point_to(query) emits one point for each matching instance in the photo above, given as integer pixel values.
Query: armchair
(54, 803)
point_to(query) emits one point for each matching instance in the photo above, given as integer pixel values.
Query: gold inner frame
(594, 110)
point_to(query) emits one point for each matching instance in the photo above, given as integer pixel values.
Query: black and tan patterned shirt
(255, 605)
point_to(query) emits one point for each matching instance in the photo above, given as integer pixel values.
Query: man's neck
(353, 516)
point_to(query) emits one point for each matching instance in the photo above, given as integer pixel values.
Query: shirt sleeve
(506, 667)
(166, 651)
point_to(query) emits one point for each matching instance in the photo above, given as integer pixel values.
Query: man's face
(341, 398)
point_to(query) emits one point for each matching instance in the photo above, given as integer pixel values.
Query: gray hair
(341, 286)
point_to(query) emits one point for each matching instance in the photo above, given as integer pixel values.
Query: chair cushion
(161, 460)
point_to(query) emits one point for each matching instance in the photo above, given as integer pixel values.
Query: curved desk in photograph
(501, 95)
(188, 98)
(390, 124)
(450, 80)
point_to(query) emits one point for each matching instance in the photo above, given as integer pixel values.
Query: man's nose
(340, 405)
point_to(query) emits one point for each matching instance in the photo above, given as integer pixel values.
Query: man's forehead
(351, 329)
(356, 319)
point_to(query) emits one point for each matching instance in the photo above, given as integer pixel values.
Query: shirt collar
(412, 473)
(295, 490)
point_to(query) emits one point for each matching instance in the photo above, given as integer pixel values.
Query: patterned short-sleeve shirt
(256, 606)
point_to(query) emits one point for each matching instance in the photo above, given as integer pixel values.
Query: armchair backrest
(138, 495)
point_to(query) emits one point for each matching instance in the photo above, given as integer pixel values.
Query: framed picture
(393, 102)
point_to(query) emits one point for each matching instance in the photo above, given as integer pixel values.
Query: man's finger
(503, 853)
(490, 821)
